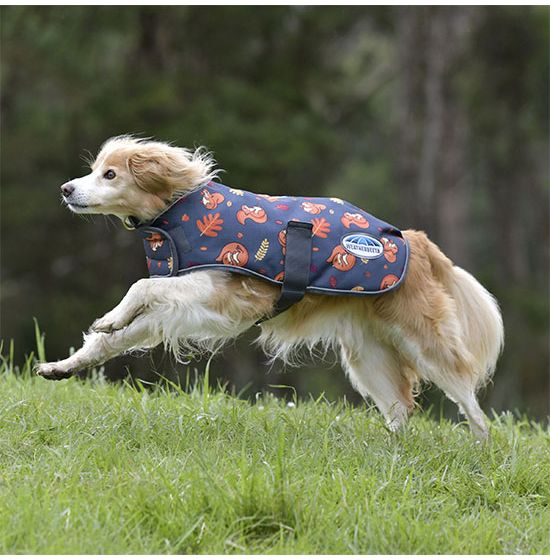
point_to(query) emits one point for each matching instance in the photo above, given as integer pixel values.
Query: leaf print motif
(262, 251)
(210, 225)
(321, 227)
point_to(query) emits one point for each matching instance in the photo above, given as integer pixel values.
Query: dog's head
(136, 177)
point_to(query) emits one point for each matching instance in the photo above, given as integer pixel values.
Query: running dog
(393, 306)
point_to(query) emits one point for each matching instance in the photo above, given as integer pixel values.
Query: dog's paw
(112, 321)
(108, 323)
(104, 325)
(51, 370)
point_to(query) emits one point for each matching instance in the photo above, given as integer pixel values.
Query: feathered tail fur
(478, 313)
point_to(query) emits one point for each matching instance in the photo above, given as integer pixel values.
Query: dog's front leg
(134, 303)
(203, 308)
(100, 347)
(124, 328)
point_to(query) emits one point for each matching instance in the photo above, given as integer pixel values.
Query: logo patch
(363, 246)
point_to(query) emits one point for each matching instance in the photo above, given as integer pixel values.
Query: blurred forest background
(432, 118)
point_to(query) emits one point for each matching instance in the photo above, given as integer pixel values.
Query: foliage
(95, 467)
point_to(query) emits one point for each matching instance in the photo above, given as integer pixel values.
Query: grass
(92, 467)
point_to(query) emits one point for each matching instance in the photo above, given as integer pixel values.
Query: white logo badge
(363, 246)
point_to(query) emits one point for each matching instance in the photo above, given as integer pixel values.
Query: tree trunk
(432, 125)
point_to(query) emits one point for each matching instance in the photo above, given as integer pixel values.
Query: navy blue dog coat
(318, 245)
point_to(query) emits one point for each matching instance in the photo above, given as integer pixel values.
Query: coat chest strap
(297, 266)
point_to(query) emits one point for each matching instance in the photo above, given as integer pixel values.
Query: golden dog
(440, 325)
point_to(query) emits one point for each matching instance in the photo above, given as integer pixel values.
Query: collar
(131, 223)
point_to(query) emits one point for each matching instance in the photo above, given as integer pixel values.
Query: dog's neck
(133, 222)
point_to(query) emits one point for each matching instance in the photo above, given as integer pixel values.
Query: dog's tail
(478, 313)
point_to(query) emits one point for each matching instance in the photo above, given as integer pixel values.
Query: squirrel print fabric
(216, 226)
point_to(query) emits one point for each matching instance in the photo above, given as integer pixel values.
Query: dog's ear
(165, 170)
(150, 170)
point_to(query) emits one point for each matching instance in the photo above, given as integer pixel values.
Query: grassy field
(91, 467)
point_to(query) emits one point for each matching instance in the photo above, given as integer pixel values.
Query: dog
(439, 325)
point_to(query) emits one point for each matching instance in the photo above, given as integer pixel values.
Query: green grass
(92, 467)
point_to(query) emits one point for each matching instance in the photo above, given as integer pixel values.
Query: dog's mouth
(80, 207)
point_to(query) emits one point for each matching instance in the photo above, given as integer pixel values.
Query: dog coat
(318, 245)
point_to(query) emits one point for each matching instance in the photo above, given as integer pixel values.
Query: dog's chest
(221, 227)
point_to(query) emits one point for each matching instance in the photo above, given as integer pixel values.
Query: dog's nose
(67, 189)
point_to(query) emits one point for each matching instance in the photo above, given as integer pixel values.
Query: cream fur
(440, 326)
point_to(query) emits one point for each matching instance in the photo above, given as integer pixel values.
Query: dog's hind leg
(446, 361)
(460, 388)
(374, 371)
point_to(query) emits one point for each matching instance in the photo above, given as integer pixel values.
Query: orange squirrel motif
(233, 254)
(211, 200)
(155, 241)
(254, 213)
(356, 219)
(388, 281)
(341, 259)
(390, 249)
(312, 207)
(282, 240)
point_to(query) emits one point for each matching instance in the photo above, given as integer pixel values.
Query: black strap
(180, 239)
(176, 240)
(297, 266)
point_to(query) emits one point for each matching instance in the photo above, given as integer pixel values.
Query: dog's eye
(110, 174)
